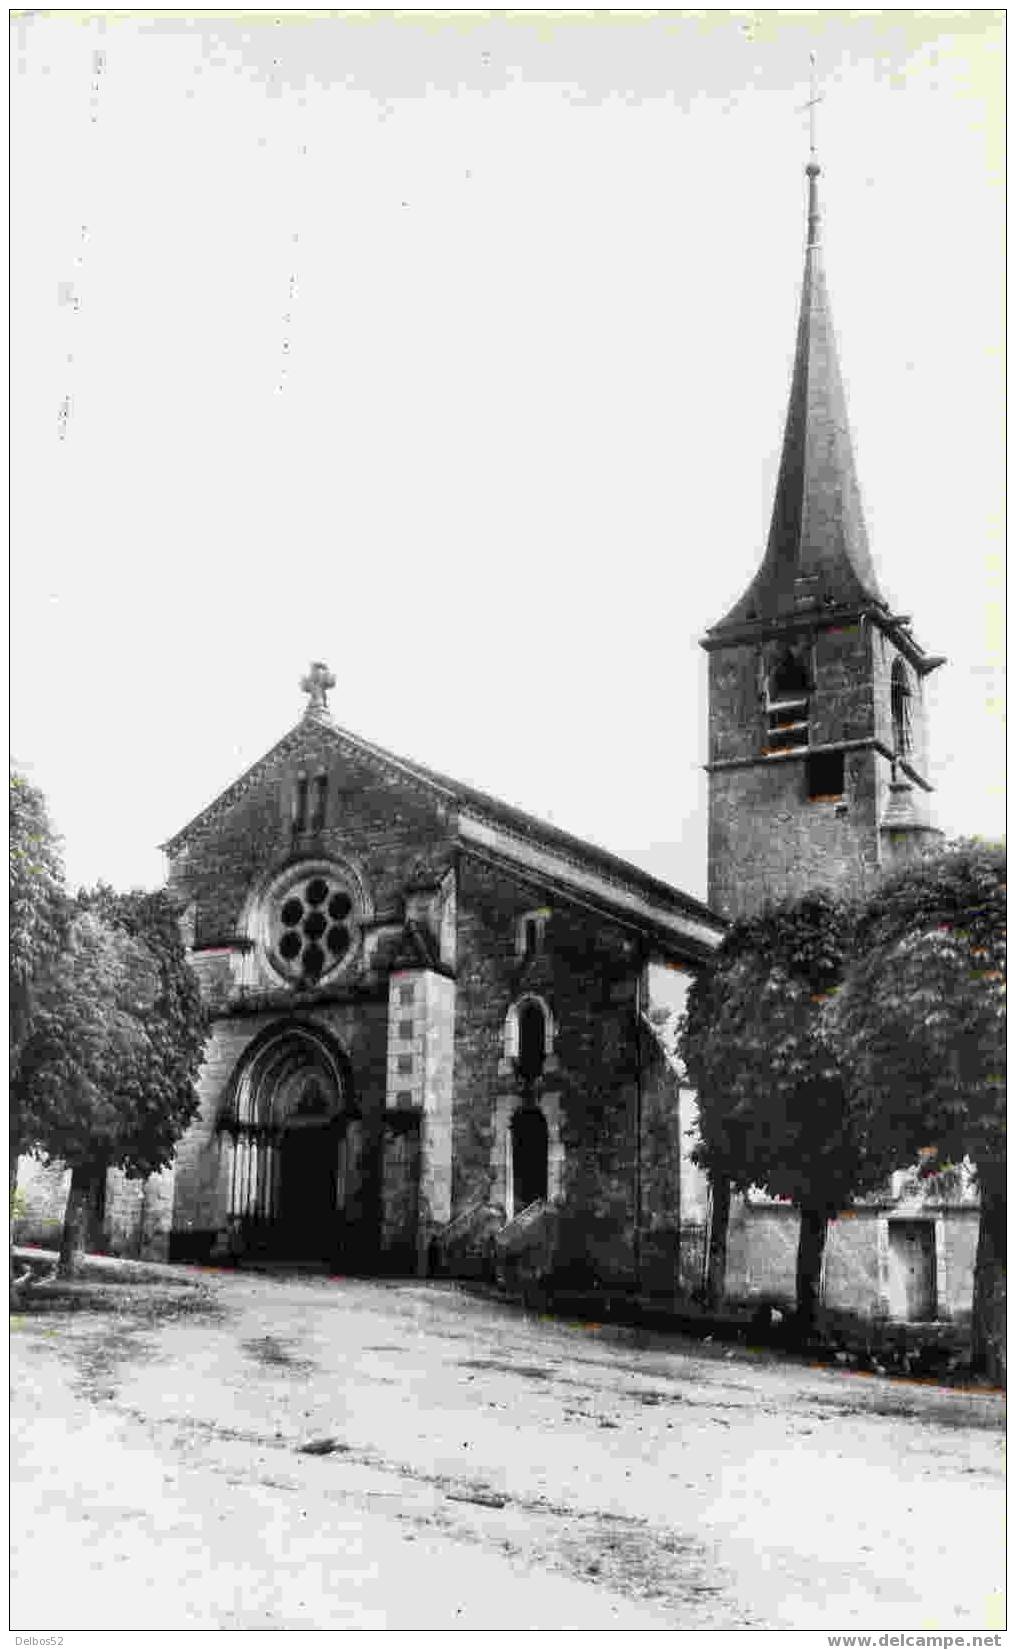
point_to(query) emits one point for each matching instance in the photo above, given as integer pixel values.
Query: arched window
(532, 1040)
(900, 697)
(529, 1037)
(789, 678)
(787, 691)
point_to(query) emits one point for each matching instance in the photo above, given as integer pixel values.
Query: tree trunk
(987, 1338)
(716, 1261)
(810, 1249)
(81, 1218)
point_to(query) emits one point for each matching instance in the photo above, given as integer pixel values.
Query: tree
(772, 1102)
(38, 919)
(920, 1026)
(107, 1073)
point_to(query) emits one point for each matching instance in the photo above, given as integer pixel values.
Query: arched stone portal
(291, 1141)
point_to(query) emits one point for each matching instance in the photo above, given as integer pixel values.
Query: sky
(453, 350)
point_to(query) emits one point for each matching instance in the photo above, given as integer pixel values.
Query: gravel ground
(269, 1452)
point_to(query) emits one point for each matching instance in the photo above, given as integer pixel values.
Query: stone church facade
(429, 1045)
(427, 1018)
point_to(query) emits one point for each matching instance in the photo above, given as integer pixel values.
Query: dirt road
(471, 1466)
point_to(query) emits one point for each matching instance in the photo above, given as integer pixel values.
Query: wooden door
(912, 1270)
(308, 1214)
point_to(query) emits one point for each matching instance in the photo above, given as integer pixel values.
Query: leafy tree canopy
(771, 1096)
(108, 1070)
(920, 1021)
(38, 901)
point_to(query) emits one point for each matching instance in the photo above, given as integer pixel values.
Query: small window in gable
(300, 791)
(825, 776)
(320, 802)
(530, 933)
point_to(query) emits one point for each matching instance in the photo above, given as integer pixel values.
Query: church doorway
(308, 1213)
(528, 1159)
(286, 1134)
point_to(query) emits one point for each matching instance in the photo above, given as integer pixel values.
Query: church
(430, 1049)
(428, 1016)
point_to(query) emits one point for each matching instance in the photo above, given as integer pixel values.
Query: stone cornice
(800, 752)
(826, 618)
(633, 903)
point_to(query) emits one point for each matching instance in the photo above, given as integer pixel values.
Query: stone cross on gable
(315, 685)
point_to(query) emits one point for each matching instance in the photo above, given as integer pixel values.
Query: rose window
(313, 924)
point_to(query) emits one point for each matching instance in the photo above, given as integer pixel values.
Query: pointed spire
(817, 555)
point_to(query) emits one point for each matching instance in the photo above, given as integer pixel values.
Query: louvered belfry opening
(787, 700)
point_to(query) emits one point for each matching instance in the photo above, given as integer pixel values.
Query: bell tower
(817, 737)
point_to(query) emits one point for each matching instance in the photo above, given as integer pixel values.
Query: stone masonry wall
(421, 1056)
(384, 824)
(659, 1257)
(42, 1197)
(587, 974)
(767, 839)
(761, 1251)
(137, 1216)
(762, 1257)
(393, 833)
(956, 1279)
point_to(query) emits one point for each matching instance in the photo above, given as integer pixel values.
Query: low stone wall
(136, 1221)
(42, 1199)
(762, 1256)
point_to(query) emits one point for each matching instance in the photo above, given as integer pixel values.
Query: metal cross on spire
(814, 100)
(315, 685)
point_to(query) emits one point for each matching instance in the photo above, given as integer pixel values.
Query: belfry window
(900, 701)
(825, 776)
(786, 702)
